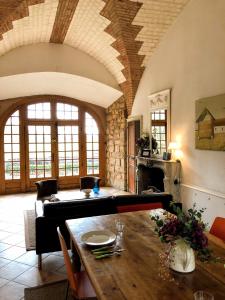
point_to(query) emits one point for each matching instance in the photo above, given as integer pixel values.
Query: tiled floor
(18, 268)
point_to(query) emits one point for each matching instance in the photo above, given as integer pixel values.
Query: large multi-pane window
(159, 124)
(92, 144)
(50, 139)
(12, 147)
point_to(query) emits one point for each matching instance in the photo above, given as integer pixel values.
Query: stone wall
(116, 169)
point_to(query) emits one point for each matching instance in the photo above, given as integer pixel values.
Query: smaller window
(39, 111)
(159, 124)
(66, 112)
(92, 145)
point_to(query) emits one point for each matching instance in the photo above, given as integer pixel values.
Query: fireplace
(150, 178)
(158, 174)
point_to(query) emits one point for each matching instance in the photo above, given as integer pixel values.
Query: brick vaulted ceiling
(121, 34)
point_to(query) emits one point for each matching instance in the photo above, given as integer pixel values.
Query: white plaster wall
(191, 61)
(46, 68)
(47, 57)
(56, 83)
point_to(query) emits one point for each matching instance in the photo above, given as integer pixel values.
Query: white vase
(182, 257)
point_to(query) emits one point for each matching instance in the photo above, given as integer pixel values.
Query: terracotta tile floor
(18, 268)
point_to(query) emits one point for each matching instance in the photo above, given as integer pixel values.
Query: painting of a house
(210, 123)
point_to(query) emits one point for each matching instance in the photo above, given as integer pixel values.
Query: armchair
(46, 188)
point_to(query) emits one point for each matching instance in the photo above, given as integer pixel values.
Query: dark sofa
(53, 214)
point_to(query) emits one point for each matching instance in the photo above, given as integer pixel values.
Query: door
(67, 153)
(133, 133)
(40, 158)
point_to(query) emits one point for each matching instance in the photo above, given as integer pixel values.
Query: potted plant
(142, 143)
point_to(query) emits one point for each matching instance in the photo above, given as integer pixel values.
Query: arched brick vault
(121, 34)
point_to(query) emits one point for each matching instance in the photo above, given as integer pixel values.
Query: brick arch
(121, 14)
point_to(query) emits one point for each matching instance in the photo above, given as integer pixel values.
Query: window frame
(22, 184)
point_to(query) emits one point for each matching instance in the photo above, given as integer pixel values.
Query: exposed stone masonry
(116, 145)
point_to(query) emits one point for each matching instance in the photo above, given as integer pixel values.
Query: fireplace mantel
(172, 174)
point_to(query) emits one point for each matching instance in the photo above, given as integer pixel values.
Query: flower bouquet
(185, 235)
(143, 142)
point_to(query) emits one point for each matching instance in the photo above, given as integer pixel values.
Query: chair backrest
(141, 206)
(89, 182)
(46, 187)
(218, 228)
(69, 269)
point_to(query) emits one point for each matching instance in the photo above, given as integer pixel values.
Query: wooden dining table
(138, 273)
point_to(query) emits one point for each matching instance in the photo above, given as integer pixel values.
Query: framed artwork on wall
(210, 123)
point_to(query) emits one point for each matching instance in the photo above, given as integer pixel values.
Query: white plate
(98, 238)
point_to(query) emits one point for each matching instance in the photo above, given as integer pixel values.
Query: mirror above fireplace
(159, 104)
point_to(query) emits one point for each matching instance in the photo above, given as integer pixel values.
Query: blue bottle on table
(96, 189)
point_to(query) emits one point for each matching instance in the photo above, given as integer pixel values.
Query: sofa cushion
(78, 208)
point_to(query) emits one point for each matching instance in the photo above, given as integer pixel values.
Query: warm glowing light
(176, 153)
(173, 146)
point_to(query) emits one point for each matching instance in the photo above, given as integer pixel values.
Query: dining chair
(89, 182)
(218, 228)
(141, 206)
(79, 282)
(46, 188)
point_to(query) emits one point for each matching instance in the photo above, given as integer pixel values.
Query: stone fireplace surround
(171, 170)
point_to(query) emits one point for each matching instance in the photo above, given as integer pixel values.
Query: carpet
(29, 227)
(50, 291)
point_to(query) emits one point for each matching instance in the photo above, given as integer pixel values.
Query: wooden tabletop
(138, 274)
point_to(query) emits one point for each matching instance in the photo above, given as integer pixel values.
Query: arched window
(12, 147)
(51, 139)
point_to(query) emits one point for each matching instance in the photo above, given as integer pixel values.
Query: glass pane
(7, 130)
(16, 156)
(39, 138)
(15, 129)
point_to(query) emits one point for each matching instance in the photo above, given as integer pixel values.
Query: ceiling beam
(64, 16)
